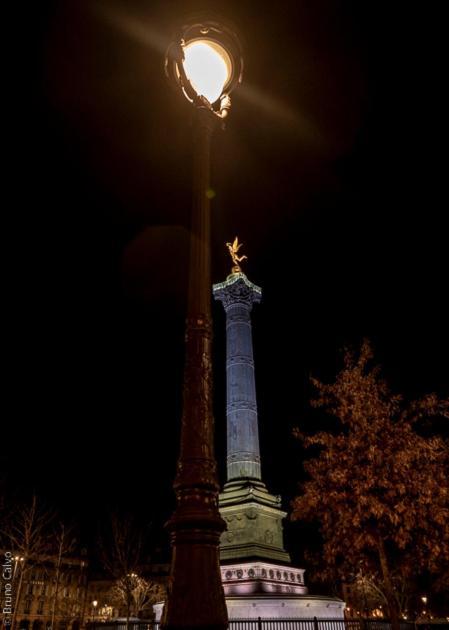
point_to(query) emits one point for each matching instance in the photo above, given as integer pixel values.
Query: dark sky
(332, 171)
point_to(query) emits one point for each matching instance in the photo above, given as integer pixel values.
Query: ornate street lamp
(204, 63)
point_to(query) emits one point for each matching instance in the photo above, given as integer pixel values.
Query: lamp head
(205, 62)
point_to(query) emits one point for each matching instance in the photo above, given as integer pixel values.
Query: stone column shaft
(243, 456)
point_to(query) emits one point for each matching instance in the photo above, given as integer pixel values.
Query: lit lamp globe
(205, 62)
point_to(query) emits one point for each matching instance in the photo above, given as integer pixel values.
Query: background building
(46, 597)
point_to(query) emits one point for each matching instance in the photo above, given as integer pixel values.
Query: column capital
(237, 289)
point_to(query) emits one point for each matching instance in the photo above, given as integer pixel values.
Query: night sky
(332, 171)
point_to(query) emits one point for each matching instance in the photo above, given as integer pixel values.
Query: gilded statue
(233, 252)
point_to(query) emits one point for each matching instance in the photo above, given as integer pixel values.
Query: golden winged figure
(233, 251)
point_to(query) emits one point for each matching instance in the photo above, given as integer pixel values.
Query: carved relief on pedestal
(236, 521)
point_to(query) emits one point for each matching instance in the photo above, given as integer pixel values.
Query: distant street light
(362, 580)
(94, 610)
(17, 577)
(204, 63)
(18, 562)
(425, 611)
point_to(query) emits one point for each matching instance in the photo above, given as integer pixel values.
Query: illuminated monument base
(277, 606)
(284, 607)
(270, 591)
(273, 591)
(249, 578)
(254, 522)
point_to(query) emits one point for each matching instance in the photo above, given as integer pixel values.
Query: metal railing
(312, 624)
(273, 624)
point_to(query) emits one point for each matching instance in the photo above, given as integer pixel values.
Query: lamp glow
(208, 68)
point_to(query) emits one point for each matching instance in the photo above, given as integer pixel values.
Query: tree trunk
(389, 590)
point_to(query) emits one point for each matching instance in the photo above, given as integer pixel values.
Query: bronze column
(196, 597)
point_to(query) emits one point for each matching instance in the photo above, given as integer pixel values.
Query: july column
(238, 295)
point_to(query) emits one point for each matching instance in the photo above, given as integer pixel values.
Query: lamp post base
(197, 592)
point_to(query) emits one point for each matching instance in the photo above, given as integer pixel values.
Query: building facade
(45, 597)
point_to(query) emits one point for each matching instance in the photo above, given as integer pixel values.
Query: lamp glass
(208, 67)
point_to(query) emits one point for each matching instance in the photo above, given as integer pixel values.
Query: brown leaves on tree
(378, 488)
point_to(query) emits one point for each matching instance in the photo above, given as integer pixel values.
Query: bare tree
(26, 534)
(143, 594)
(368, 591)
(65, 544)
(121, 554)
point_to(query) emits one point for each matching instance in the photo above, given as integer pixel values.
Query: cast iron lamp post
(205, 64)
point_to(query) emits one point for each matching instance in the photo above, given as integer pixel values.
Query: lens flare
(208, 68)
